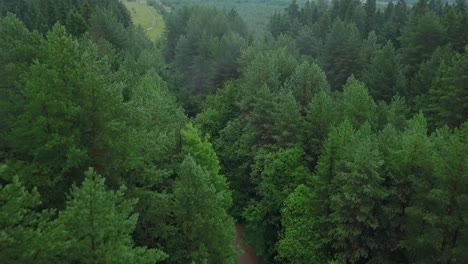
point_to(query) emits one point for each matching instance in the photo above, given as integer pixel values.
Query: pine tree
(420, 39)
(321, 117)
(201, 150)
(438, 217)
(325, 172)
(384, 76)
(448, 95)
(355, 202)
(24, 235)
(69, 115)
(97, 225)
(148, 147)
(18, 48)
(356, 104)
(307, 80)
(370, 8)
(201, 220)
(286, 121)
(410, 172)
(75, 23)
(341, 57)
(422, 81)
(219, 110)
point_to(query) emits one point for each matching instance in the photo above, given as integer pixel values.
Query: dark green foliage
(356, 198)
(421, 37)
(18, 48)
(383, 76)
(96, 225)
(307, 80)
(437, 215)
(23, 237)
(149, 147)
(301, 135)
(276, 175)
(448, 96)
(43, 14)
(219, 109)
(321, 116)
(422, 81)
(203, 45)
(68, 102)
(341, 56)
(370, 8)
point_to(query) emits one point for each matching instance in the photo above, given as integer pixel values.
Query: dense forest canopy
(331, 131)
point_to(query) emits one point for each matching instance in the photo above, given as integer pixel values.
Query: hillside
(147, 17)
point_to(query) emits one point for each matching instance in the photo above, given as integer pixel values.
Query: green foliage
(356, 198)
(357, 105)
(422, 36)
(219, 109)
(447, 98)
(97, 225)
(67, 91)
(306, 81)
(300, 241)
(202, 152)
(383, 76)
(201, 220)
(270, 67)
(43, 14)
(203, 45)
(276, 175)
(321, 116)
(23, 237)
(324, 91)
(341, 57)
(17, 51)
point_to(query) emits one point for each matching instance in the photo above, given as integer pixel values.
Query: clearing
(147, 17)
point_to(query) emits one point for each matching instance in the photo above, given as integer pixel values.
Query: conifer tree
(355, 202)
(307, 80)
(321, 116)
(356, 104)
(201, 219)
(201, 150)
(341, 56)
(24, 235)
(97, 225)
(420, 39)
(383, 76)
(448, 96)
(69, 115)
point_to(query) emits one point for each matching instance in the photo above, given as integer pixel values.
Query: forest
(329, 131)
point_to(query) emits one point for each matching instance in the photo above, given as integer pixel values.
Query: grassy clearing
(147, 17)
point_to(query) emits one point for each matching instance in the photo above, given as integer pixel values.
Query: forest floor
(147, 17)
(248, 256)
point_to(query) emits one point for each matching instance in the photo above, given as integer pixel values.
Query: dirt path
(249, 256)
(154, 19)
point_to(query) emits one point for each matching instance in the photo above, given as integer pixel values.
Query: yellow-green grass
(147, 17)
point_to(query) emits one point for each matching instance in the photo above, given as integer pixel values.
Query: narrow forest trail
(248, 256)
(154, 20)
